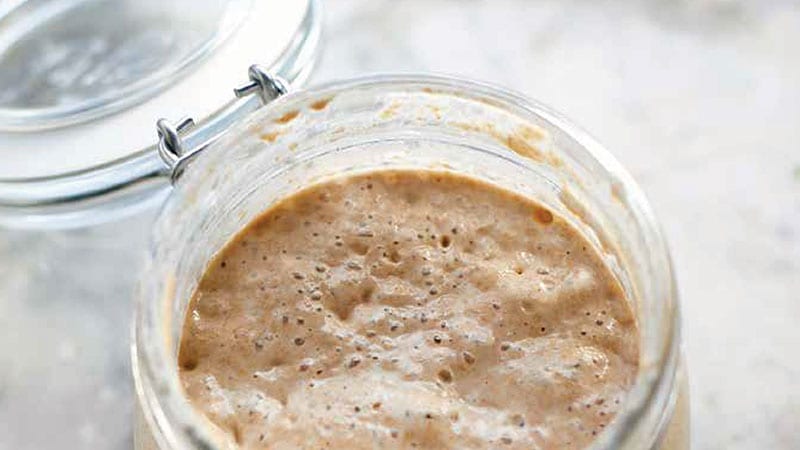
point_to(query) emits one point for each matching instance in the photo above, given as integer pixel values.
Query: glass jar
(406, 122)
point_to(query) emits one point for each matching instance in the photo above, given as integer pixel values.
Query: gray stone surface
(699, 99)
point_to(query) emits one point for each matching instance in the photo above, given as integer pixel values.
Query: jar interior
(408, 123)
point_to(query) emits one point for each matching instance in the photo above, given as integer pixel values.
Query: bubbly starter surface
(408, 309)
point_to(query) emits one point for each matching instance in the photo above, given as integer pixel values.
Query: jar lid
(83, 83)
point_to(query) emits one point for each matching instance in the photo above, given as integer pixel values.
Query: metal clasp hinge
(267, 86)
(171, 148)
(170, 142)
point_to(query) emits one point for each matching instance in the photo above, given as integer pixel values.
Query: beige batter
(409, 309)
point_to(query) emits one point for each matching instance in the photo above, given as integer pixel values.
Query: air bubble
(469, 358)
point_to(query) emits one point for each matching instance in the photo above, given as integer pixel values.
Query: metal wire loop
(170, 143)
(267, 86)
(171, 147)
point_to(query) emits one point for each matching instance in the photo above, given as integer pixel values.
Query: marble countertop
(700, 100)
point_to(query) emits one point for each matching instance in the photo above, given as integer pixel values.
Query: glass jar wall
(406, 122)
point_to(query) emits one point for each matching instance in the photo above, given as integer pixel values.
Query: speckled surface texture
(699, 99)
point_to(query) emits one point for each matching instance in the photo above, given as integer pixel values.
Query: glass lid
(70, 61)
(84, 82)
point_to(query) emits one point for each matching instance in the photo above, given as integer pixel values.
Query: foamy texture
(408, 309)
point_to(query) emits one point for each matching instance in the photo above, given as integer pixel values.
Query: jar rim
(647, 386)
